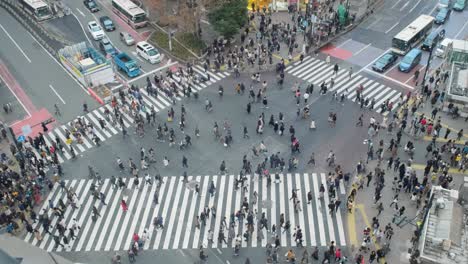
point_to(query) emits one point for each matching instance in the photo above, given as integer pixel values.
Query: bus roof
(129, 6)
(412, 29)
(36, 3)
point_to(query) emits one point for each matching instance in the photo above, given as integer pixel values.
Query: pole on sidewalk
(433, 46)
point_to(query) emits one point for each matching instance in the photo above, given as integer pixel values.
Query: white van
(148, 52)
(442, 47)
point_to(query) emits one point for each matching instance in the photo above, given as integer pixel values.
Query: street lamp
(433, 46)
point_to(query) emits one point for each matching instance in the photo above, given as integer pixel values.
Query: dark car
(107, 23)
(107, 48)
(385, 62)
(442, 16)
(91, 5)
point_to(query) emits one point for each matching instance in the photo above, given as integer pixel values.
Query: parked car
(459, 5)
(95, 30)
(127, 38)
(107, 23)
(91, 5)
(385, 62)
(442, 16)
(107, 48)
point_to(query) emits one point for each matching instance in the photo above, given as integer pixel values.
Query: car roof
(93, 23)
(105, 18)
(105, 41)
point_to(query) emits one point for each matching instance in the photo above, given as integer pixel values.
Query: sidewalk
(303, 44)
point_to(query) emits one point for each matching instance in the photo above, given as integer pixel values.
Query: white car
(95, 30)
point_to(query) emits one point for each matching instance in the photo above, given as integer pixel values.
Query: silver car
(127, 38)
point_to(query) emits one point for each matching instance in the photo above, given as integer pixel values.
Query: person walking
(124, 205)
(184, 162)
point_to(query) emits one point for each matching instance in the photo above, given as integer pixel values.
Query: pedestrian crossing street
(179, 205)
(159, 103)
(317, 71)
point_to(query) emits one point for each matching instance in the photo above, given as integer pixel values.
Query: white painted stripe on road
(321, 227)
(117, 219)
(309, 69)
(461, 30)
(377, 90)
(84, 234)
(81, 221)
(256, 229)
(81, 201)
(297, 63)
(395, 4)
(128, 214)
(331, 229)
(81, 13)
(95, 130)
(56, 150)
(16, 44)
(365, 85)
(274, 202)
(204, 74)
(161, 193)
(62, 137)
(317, 70)
(190, 221)
(361, 50)
(302, 205)
(157, 106)
(96, 123)
(49, 213)
(344, 43)
(115, 204)
(412, 9)
(309, 208)
(282, 210)
(219, 207)
(58, 95)
(323, 74)
(129, 241)
(146, 214)
(366, 90)
(390, 29)
(110, 209)
(73, 138)
(292, 213)
(164, 211)
(405, 5)
(264, 197)
(61, 66)
(237, 206)
(209, 72)
(246, 198)
(107, 124)
(302, 66)
(170, 216)
(388, 94)
(183, 212)
(227, 210)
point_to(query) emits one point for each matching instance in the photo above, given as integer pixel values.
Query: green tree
(229, 18)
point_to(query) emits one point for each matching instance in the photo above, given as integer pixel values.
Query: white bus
(130, 13)
(37, 8)
(414, 33)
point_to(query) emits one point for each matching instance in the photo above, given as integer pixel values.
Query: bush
(161, 39)
(192, 42)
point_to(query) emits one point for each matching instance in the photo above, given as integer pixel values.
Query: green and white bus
(411, 35)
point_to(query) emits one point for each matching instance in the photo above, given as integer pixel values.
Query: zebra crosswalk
(179, 204)
(316, 71)
(159, 103)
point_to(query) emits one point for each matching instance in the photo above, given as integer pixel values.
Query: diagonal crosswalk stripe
(159, 103)
(317, 71)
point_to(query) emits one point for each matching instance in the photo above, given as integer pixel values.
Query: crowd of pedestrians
(263, 37)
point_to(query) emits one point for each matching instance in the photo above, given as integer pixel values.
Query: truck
(127, 64)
